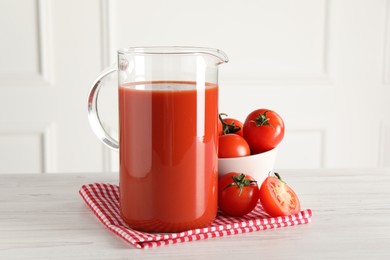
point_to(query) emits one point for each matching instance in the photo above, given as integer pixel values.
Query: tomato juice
(168, 154)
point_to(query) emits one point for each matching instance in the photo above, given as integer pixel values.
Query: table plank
(43, 217)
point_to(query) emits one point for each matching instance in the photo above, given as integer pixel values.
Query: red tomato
(277, 198)
(263, 130)
(230, 126)
(232, 145)
(238, 194)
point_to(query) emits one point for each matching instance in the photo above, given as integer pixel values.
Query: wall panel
(301, 149)
(27, 148)
(25, 51)
(386, 63)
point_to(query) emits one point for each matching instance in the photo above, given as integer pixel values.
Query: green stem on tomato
(228, 128)
(240, 182)
(262, 120)
(279, 177)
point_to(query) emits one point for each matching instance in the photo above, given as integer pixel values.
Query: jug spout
(220, 56)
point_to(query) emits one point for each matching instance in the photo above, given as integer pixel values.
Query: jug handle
(93, 114)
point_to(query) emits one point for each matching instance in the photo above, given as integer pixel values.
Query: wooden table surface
(43, 217)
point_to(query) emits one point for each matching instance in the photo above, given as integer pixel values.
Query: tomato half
(238, 194)
(232, 145)
(277, 198)
(263, 130)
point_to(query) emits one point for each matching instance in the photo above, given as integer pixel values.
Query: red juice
(168, 155)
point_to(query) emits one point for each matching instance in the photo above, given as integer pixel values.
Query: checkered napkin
(103, 200)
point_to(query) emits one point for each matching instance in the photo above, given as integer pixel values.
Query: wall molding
(44, 77)
(384, 144)
(50, 148)
(48, 136)
(386, 51)
(313, 141)
(105, 33)
(321, 79)
(322, 140)
(45, 39)
(108, 32)
(324, 77)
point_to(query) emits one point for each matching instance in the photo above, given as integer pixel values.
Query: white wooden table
(43, 217)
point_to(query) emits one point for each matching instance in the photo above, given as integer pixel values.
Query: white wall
(324, 65)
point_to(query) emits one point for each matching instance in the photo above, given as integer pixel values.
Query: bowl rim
(249, 156)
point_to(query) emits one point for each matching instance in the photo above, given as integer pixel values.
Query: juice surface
(168, 155)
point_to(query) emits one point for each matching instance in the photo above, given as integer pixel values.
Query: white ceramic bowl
(258, 165)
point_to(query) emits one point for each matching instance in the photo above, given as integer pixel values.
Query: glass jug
(168, 140)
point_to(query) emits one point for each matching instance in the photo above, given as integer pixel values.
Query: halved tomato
(277, 198)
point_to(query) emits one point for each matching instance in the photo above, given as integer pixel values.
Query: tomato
(238, 194)
(232, 145)
(230, 125)
(277, 198)
(263, 130)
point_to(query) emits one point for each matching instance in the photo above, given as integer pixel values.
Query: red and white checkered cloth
(103, 200)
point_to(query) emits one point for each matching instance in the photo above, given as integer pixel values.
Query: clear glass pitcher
(168, 141)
